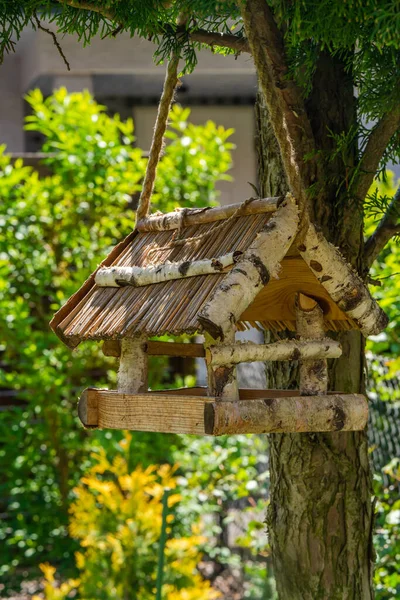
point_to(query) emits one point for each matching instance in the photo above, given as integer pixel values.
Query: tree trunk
(320, 516)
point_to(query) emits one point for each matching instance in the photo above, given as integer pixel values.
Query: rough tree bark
(320, 517)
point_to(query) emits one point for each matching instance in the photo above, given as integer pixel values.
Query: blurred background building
(120, 73)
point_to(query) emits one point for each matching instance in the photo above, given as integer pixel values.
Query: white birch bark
(284, 350)
(196, 216)
(132, 373)
(222, 379)
(141, 276)
(341, 282)
(252, 272)
(310, 327)
(297, 414)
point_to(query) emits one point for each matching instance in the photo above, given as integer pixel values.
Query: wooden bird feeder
(227, 269)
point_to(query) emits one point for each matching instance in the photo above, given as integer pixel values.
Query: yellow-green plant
(53, 591)
(117, 517)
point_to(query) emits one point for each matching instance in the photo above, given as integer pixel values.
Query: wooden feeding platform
(192, 411)
(215, 272)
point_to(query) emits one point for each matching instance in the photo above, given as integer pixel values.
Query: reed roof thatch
(172, 307)
(112, 313)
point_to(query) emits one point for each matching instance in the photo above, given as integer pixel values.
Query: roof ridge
(196, 216)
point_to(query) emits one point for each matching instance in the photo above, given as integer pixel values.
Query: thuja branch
(375, 148)
(55, 40)
(202, 36)
(226, 40)
(283, 97)
(388, 227)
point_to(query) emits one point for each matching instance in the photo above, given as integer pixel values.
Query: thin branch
(388, 227)
(225, 40)
(209, 38)
(283, 97)
(55, 40)
(377, 143)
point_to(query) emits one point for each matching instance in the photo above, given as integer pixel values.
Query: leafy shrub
(117, 517)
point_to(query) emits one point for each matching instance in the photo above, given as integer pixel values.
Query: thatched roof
(174, 306)
(111, 313)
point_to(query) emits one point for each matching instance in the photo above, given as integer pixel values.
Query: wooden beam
(197, 216)
(310, 327)
(155, 348)
(299, 414)
(189, 413)
(232, 354)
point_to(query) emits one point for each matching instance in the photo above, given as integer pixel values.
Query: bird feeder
(228, 269)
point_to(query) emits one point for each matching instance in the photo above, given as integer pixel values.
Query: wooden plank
(143, 412)
(276, 301)
(155, 348)
(296, 414)
(173, 220)
(88, 407)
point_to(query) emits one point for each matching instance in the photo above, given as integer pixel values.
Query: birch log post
(197, 216)
(341, 282)
(310, 326)
(226, 354)
(141, 276)
(132, 373)
(221, 379)
(251, 273)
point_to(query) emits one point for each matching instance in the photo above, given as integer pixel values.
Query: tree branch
(378, 140)
(387, 228)
(55, 40)
(209, 38)
(225, 40)
(283, 97)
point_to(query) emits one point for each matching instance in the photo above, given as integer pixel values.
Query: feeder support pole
(132, 373)
(310, 326)
(222, 379)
